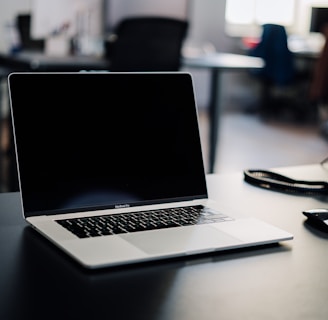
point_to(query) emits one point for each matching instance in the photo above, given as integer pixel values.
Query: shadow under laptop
(49, 285)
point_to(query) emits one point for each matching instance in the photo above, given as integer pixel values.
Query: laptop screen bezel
(18, 80)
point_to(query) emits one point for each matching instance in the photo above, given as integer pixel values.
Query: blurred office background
(291, 136)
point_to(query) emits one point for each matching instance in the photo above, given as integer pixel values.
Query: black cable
(277, 182)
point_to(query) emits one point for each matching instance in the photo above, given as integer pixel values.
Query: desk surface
(223, 61)
(36, 61)
(288, 281)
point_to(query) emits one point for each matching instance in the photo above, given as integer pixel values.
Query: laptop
(111, 170)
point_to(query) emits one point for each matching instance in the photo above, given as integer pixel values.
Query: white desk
(218, 62)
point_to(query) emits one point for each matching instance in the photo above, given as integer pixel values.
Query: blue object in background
(273, 48)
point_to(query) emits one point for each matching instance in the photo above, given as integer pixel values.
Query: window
(243, 17)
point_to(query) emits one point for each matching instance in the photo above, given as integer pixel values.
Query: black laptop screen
(104, 140)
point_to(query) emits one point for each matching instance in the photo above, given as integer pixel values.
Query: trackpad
(177, 240)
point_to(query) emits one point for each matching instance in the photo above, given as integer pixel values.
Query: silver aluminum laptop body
(102, 144)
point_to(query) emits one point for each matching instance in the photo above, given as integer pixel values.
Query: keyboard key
(141, 221)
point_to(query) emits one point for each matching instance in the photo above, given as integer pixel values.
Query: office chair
(280, 84)
(273, 49)
(147, 44)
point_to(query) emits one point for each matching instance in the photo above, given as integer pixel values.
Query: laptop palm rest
(175, 240)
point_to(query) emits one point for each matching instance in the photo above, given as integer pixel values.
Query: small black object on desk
(318, 218)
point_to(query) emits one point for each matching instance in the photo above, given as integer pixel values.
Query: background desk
(34, 61)
(218, 62)
(289, 281)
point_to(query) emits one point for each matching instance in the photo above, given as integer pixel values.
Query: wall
(207, 25)
(304, 13)
(117, 9)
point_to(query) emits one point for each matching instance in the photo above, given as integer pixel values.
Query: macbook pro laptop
(111, 170)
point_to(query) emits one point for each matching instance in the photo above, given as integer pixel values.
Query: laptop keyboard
(141, 221)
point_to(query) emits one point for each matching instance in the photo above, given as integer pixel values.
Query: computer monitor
(319, 17)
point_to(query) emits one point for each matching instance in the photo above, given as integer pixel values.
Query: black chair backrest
(147, 44)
